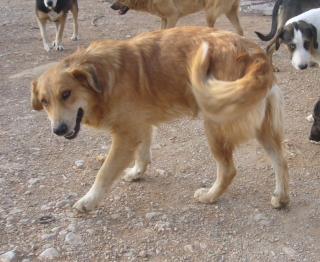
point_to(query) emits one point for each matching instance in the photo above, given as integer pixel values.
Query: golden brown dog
(171, 10)
(129, 86)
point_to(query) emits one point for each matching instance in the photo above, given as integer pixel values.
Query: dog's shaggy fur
(171, 10)
(129, 86)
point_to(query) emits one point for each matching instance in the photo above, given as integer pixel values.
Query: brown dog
(129, 86)
(171, 10)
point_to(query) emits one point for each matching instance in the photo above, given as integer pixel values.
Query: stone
(49, 254)
(290, 252)
(33, 181)
(48, 237)
(10, 256)
(73, 239)
(79, 164)
(152, 215)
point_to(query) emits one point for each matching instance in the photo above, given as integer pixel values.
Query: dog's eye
(292, 46)
(44, 102)
(306, 45)
(66, 94)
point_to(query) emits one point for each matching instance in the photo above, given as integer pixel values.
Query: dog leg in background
(142, 158)
(171, 21)
(163, 23)
(226, 171)
(211, 19)
(233, 16)
(57, 44)
(43, 32)
(270, 137)
(121, 154)
(74, 11)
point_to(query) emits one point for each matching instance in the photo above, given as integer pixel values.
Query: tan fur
(171, 10)
(148, 80)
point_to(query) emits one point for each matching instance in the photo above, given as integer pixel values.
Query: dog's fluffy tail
(227, 100)
(274, 23)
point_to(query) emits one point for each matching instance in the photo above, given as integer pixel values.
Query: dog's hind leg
(211, 19)
(142, 158)
(42, 25)
(222, 151)
(270, 137)
(233, 16)
(163, 23)
(74, 11)
(124, 145)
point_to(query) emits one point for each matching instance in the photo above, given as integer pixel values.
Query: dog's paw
(202, 196)
(279, 201)
(56, 46)
(86, 203)
(132, 174)
(47, 47)
(310, 118)
(74, 37)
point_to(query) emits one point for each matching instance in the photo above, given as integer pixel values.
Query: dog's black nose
(61, 130)
(50, 3)
(303, 66)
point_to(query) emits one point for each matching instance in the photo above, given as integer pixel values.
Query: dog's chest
(54, 16)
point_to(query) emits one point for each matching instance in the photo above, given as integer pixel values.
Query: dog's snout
(50, 3)
(61, 130)
(302, 67)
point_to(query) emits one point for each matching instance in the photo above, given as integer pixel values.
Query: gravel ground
(156, 219)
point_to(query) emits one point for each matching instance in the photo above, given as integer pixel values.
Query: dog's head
(301, 40)
(118, 5)
(50, 4)
(67, 95)
(315, 129)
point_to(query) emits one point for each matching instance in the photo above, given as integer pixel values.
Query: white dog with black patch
(300, 35)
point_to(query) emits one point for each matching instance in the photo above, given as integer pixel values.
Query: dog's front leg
(120, 155)
(43, 32)
(57, 44)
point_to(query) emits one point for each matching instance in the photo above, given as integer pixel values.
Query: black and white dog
(283, 10)
(56, 11)
(301, 36)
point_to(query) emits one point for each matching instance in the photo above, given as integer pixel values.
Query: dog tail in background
(227, 100)
(274, 23)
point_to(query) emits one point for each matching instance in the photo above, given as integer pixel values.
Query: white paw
(57, 46)
(46, 47)
(74, 37)
(87, 203)
(310, 118)
(201, 195)
(132, 174)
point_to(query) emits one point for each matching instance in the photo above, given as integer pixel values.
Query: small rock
(49, 254)
(47, 237)
(73, 239)
(62, 204)
(33, 181)
(10, 256)
(188, 248)
(152, 215)
(79, 164)
(72, 228)
(100, 158)
(161, 172)
(289, 252)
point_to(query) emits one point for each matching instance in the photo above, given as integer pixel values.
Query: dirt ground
(155, 219)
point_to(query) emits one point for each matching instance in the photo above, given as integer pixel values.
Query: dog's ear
(279, 38)
(87, 75)
(314, 36)
(36, 104)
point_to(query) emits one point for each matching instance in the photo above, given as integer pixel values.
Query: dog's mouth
(122, 9)
(76, 129)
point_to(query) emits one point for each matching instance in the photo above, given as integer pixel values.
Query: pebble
(161, 172)
(10, 256)
(289, 252)
(49, 254)
(188, 248)
(33, 181)
(73, 239)
(62, 204)
(79, 164)
(72, 228)
(152, 215)
(47, 237)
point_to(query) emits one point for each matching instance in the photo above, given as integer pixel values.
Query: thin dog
(129, 86)
(171, 10)
(283, 10)
(56, 11)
